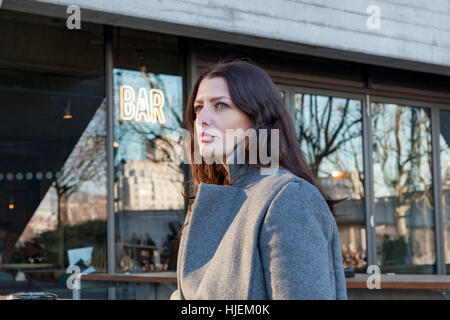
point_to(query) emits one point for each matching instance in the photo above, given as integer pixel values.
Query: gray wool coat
(264, 237)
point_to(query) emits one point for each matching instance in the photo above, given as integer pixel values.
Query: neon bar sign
(142, 107)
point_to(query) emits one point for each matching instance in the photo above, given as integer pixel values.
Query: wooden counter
(160, 285)
(400, 281)
(403, 281)
(154, 277)
(26, 266)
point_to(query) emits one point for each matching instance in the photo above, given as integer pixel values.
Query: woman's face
(215, 113)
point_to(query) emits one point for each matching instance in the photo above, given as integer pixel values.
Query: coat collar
(238, 165)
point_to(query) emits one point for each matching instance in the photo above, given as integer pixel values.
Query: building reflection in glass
(149, 206)
(76, 198)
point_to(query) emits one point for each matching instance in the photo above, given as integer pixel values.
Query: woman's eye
(222, 105)
(219, 106)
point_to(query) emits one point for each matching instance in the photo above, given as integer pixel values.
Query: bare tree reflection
(402, 165)
(326, 129)
(329, 131)
(87, 162)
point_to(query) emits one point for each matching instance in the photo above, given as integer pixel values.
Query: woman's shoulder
(293, 195)
(276, 180)
(301, 193)
(284, 183)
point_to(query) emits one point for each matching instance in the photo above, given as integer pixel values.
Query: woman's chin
(211, 154)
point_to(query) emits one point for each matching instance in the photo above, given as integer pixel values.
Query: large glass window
(52, 153)
(402, 167)
(444, 141)
(149, 207)
(329, 131)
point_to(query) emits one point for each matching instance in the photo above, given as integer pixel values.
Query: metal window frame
(437, 190)
(372, 256)
(437, 173)
(109, 64)
(372, 89)
(110, 225)
(190, 79)
(288, 98)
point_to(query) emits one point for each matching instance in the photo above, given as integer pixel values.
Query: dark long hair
(252, 91)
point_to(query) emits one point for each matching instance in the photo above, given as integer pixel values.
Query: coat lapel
(213, 211)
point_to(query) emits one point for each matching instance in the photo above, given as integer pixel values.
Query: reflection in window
(148, 185)
(57, 186)
(445, 177)
(329, 130)
(403, 188)
(76, 200)
(52, 153)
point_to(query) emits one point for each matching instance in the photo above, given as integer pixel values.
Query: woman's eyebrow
(212, 99)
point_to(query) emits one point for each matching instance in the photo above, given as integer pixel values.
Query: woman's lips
(206, 137)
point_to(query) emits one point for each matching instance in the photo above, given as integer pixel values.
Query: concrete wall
(413, 34)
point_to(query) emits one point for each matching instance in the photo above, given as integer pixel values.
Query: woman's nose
(205, 116)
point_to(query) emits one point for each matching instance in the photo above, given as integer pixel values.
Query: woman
(249, 234)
